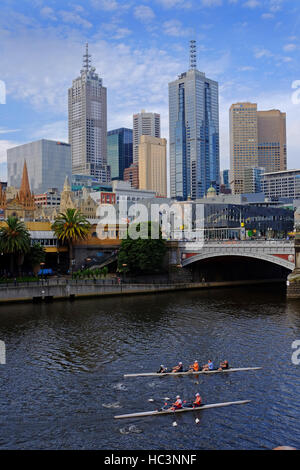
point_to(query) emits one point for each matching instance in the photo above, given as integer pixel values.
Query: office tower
(243, 142)
(257, 140)
(253, 180)
(194, 133)
(272, 153)
(153, 164)
(144, 124)
(48, 163)
(88, 123)
(119, 151)
(279, 184)
(131, 174)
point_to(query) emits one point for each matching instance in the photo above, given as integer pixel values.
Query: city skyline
(256, 62)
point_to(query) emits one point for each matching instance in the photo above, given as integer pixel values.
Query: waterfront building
(280, 184)
(87, 107)
(153, 164)
(48, 163)
(144, 124)
(119, 151)
(194, 133)
(252, 180)
(131, 175)
(90, 182)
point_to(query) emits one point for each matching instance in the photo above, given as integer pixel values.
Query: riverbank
(71, 290)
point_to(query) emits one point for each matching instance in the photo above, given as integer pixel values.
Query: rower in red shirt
(198, 401)
(178, 404)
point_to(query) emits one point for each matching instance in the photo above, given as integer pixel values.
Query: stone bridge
(280, 252)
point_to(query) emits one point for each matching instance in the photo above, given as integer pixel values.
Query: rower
(162, 369)
(178, 368)
(224, 365)
(208, 366)
(178, 403)
(194, 367)
(198, 401)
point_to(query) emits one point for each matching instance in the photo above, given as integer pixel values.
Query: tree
(144, 255)
(14, 241)
(70, 227)
(36, 256)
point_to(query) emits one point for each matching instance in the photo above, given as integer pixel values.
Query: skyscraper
(119, 151)
(243, 142)
(144, 124)
(153, 164)
(257, 140)
(272, 153)
(48, 163)
(194, 133)
(88, 123)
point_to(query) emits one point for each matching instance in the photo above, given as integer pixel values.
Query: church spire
(25, 187)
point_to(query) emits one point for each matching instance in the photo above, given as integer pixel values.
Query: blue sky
(251, 47)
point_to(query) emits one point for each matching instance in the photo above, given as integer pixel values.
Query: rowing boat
(156, 374)
(182, 410)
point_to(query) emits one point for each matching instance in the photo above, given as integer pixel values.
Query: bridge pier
(293, 282)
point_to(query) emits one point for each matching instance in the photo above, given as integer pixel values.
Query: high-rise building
(272, 153)
(144, 124)
(119, 151)
(257, 140)
(88, 123)
(48, 163)
(131, 174)
(243, 142)
(253, 180)
(282, 184)
(194, 133)
(153, 164)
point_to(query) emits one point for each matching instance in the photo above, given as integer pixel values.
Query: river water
(63, 384)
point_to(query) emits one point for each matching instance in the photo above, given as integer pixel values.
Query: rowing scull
(156, 374)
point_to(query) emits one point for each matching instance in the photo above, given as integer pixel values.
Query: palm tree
(14, 241)
(70, 227)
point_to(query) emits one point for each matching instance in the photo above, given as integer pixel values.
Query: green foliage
(71, 226)
(14, 237)
(142, 255)
(36, 254)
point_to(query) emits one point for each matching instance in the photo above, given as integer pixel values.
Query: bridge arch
(260, 256)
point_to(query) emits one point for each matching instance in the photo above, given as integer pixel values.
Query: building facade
(252, 180)
(144, 124)
(272, 150)
(153, 164)
(243, 142)
(257, 140)
(119, 151)
(281, 184)
(131, 175)
(87, 107)
(194, 134)
(48, 163)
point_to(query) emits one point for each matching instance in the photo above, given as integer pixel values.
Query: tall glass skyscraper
(119, 151)
(194, 133)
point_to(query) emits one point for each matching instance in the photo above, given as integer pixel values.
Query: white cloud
(144, 13)
(252, 4)
(175, 3)
(175, 28)
(74, 18)
(289, 47)
(106, 5)
(212, 3)
(261, 53)
(48, 13)
(267, 16)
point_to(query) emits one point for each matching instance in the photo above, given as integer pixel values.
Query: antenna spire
(87, 58)
(193, 55)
